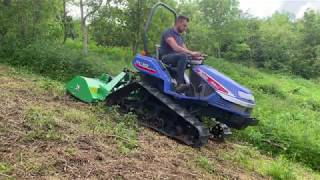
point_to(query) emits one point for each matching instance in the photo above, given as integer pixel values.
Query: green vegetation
(286, 107)
(218, 28)
(278, 168)
(42, 124)
(62, 62)
(203, 163)
(5, 168)
(270, 56)
(287, 110)
(72, 120)
(124, 131)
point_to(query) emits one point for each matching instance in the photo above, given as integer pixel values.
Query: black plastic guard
(239, 122)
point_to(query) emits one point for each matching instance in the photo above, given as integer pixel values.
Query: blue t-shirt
(165, 47)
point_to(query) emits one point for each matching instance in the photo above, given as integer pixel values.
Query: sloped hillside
(288, 108)
(47, 134)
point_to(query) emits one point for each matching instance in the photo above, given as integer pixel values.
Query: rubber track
(182, 112)
(203, 133)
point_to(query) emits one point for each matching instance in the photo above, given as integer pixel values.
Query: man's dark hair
(181, 17)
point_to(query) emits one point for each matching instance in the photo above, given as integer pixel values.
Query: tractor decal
(93, 90)
(213, 83)
(145, 67)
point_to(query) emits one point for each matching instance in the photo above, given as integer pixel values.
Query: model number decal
(212, 82)
(144, 66)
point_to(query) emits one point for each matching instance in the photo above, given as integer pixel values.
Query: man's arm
(184, 46)
(173, 44)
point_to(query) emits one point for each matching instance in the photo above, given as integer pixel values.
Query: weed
(280, 170)
(42, 124)
(62, 62)
(271, 89)
(5, 168)
(52, 87)
(204, 163)
(123, 128)
(126, 131)
(70, 150)
(97, 125)
(311, 104)
(76, 116)
(37, 168)
(126, 137)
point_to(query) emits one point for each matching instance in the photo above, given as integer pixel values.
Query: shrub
(54, 60)
(62, 62)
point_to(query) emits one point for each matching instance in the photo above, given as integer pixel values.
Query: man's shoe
(180, 88)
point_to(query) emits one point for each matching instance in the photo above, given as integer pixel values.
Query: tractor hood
(225, 87)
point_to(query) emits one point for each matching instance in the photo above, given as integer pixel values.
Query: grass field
(288, 108)
(45, 133)
(36, 115)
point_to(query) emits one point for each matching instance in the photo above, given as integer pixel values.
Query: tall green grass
(287, 108)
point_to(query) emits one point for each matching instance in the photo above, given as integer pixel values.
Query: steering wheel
(192, 60)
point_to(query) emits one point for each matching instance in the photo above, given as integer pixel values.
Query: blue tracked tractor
(211, 106)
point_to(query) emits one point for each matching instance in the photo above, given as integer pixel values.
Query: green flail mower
(91, 90)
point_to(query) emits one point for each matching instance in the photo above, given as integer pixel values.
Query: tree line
(217, 27)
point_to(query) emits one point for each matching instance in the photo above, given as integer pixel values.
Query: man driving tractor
(174, 52)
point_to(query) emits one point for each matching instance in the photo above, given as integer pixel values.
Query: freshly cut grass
(204, 163)
(42, 125)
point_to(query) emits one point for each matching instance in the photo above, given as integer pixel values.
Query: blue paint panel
(228, 83)
(152, 67)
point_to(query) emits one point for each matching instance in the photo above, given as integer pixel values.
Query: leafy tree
(109, 26)
(122, 23)
(308, 62)
(253, 38)
(221, 17)
(23, 22)
(278, 39)
(67, 21)
(87, 9)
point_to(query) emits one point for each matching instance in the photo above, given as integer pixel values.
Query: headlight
(246, 96)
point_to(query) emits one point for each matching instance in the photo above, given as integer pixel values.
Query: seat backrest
(186, 78)
(158, 51)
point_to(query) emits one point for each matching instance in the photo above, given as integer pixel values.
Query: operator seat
(172, 70)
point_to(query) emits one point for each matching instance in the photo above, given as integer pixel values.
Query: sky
(265, 8)
(262, 8)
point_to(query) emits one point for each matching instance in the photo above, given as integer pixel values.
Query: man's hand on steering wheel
(195, 54)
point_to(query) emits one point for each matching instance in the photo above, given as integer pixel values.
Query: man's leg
(179, 61)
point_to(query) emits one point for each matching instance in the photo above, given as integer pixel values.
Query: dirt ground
(86, 155)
